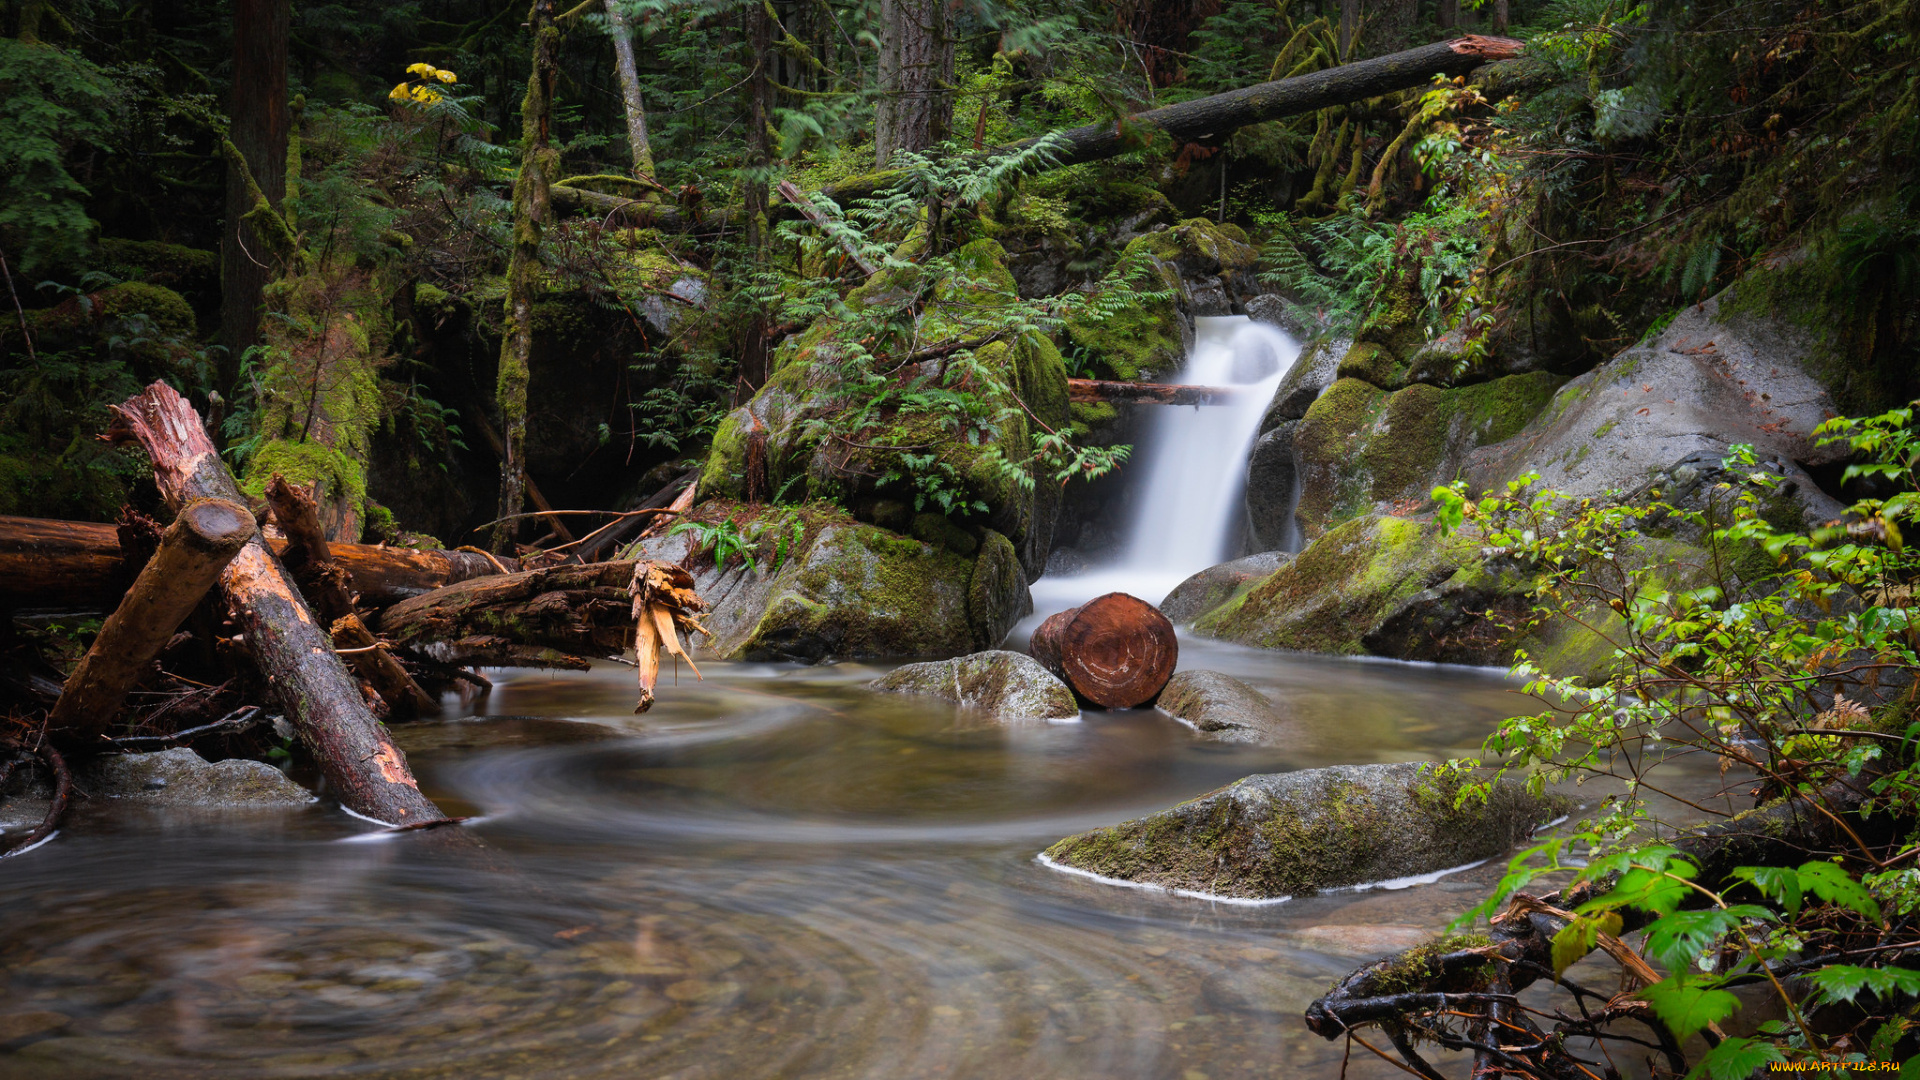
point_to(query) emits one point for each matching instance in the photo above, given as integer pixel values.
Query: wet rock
(1008, 686)
(180, 777)
(1216, 585)
(1291, 833)
(1361, 942)
(1272, 487)
(1309, 377)
(1221, 707)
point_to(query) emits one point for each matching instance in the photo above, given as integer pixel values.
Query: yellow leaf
(399, 93)
(444, 76)
(422, 70)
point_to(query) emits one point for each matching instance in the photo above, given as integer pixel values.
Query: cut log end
(1116, 651)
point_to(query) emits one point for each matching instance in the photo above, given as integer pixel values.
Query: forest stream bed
(773, 873)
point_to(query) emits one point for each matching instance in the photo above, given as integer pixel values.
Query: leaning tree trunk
(259, 129)
(915, 109)
(621, 31)
(531, 212)
(362, 766)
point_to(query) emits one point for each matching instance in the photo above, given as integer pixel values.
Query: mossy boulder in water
(1216, 585)
(1006, 686)
(1271, 836)
(1222, 708)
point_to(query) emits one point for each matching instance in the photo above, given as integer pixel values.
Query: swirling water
(773, 874)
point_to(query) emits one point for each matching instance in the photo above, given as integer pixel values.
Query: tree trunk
(193, 551)
(371, 661)
(537, 618)
(1448, 14)
(1116, 651)
(1151, 393)
(530, 214)
(915, 109)
(621, 31)
(80, 564)
(1499, 16)
(362, 766)
(259, 130)
(1349, 26)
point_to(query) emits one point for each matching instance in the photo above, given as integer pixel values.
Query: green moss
(302, 463)
(173, 265)
(1417, 968)
(863, 591)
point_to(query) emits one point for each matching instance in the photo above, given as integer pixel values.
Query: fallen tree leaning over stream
(362, 766)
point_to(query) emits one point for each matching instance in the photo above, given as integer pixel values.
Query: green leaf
(1834, 885)
(1736, 1059)
(1777, 883)
(1578, 938)
(1687, 1006)
(1679, 938)
(1843, 982)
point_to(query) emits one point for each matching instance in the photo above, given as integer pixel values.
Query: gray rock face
(1271, 484)
(1222, 708)
(1286, 834)
(180, 777)
(1706, 382)
(1216, 585)
(1311, 374)
(1008, 686)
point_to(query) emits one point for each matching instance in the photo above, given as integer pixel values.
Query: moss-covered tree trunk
(752, 346)
(260, 125)
(621, 31)
(915, 108)
(531, 211)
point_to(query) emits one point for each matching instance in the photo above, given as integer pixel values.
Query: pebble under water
(775, 873)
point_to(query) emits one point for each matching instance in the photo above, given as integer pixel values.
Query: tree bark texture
(621, 31)
(193, 551)
(536, 618)
(1116, 651)
(1134, 393)
(915, 109)
(372, 662)
(362, 766)
(531, 211)
(80, 564)
(259, 130)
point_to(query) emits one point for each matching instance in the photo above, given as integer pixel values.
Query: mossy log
(1455, 973)
(1136, 393)
(193, 551)
(537, 618)
(1116, 651)
(79, 564)
(361, 764)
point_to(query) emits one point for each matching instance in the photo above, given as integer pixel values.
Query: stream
(775, 873)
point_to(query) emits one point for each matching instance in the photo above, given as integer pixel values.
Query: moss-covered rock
(194, 273)
(1222, 708)
(1337, 589)
(1360, 448)
(1007, 687)
(1272, 836)
(1216, 585)
(1195, 268)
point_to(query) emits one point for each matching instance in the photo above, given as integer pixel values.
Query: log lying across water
(551, 617)
(362, 766)
(79, 564)
(1116, 651)
(1134, 393)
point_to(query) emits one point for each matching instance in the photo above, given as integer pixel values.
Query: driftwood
(549, 617)
(80, 565)
(362, 766)
(607, 539)
(193, 551)
(329, 588)
(1133, 393)
(1199, 120)
(664, 607)
(1116, 651)
(1397, 991)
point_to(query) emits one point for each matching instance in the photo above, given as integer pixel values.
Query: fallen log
(1134, 393)
(536, 618)
(1116, 651)
(1449, 973)
(80, 564)
(361, 764)
(193, 551)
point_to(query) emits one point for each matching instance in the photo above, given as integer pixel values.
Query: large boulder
(1194, 269)
(1272, 836)
(1214, 586)
(1709, 380)
(1361, 449)
(1006, 686)
(1222, 708)
(855, 590)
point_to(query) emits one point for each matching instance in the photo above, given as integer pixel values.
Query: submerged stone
(1277, 835)
(1221, 707)
(180, 777)
(1008, 686)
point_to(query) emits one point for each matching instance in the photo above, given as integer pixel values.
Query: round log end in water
(1116, 651)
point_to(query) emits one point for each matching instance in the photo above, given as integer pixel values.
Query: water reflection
(773, 873)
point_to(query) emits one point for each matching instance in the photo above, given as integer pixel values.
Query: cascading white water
(1190, 471)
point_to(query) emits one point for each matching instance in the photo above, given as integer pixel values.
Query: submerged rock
(180, 777)
(1006, 685)
(1221, 707)
(1214, 586)
(1284, 834)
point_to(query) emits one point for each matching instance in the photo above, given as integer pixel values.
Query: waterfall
(1190, 471)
